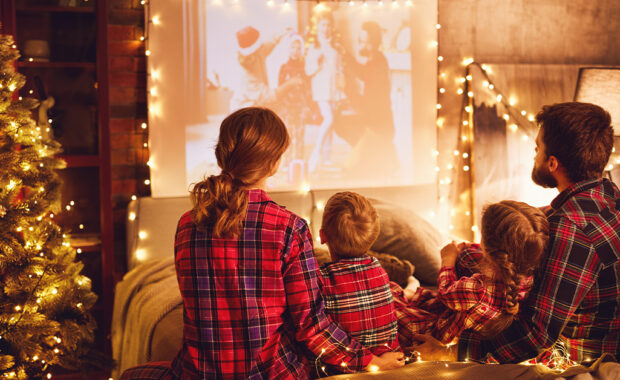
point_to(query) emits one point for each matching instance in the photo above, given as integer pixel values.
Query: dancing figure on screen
(295, 105)
(373, 127)
(324, 66)
(254, 89)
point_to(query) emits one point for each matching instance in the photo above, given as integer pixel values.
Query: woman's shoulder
(276, 214)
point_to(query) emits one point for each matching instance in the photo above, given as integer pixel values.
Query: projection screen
(355, 85)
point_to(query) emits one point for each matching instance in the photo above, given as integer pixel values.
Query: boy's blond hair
(350, 224)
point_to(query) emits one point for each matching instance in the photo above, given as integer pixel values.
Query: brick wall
(128, 110)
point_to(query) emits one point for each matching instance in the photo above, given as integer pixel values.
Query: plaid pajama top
(458, 304)
(247, 302)
(576, 292)
(357, 294)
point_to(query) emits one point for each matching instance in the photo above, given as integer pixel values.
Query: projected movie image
(339, 77)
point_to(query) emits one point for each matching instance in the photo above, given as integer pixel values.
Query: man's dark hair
(374, 33)
(579, 135)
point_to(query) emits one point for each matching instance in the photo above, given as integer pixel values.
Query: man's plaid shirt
(576, 292)
(357, 294)
(247, 302)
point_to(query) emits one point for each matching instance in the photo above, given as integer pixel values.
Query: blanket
(142, 299)
(605, 368)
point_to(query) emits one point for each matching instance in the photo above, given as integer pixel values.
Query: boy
(356, 288)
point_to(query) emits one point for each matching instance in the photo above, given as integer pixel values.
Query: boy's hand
(430, 349)
(389, 360)
(449, 254)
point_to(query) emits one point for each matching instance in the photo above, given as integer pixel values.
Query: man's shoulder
(596, 205)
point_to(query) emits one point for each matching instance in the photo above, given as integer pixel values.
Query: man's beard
(542, 177)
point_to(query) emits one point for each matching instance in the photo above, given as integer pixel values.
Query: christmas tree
(45, 302)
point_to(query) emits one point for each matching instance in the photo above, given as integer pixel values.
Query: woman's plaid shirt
(357, 294)
(247, 302)
(576, 292)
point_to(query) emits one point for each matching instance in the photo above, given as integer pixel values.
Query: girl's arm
(459, 294)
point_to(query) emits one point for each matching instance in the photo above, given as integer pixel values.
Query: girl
(514, 237)
(247, 272)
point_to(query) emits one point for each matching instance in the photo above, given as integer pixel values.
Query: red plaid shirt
(457, 305)
(576, 292)
(357, 294)
(248, 301)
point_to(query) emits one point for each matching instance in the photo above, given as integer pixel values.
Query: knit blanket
(605, 368)
(142, 299)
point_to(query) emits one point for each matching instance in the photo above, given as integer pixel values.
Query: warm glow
(132, 216)
(142, 234)
(141, 254)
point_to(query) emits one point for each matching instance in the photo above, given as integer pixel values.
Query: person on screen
(254, 89)
(324, 67)
(295, 103)
(373, 104)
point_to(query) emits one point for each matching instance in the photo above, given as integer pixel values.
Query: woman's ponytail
(249, 146)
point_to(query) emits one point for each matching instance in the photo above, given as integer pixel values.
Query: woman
(247, 271)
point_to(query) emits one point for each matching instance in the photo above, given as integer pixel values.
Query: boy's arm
(565, 276)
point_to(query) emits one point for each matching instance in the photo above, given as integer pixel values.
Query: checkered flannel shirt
(247, 302)
(357, 294)
(462, 303)
(576, 292)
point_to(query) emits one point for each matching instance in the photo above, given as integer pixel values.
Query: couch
(147, 320)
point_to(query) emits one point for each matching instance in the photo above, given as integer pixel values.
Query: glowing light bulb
(459, 91)
(143, 125)
(142, 234)
(466, 168)
(438, 106)
(147, 182)
(506, 117)
(499, 97)
(133, 197)
(156, 20)
(54, 291)
(465, 155)
(465, 122)
(442, 90)
(470, 94)
(132, 216)
(147, 53)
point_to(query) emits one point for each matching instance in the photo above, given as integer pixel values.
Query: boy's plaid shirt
(576, 292)
(357, 294)
(247, 302)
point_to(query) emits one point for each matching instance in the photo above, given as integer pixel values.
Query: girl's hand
(449, 254)
(463, 246)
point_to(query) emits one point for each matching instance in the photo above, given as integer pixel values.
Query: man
(373, 129)
(576, 295)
